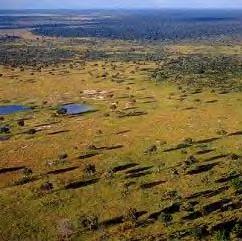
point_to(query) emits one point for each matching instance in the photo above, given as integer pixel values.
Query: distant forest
(151, 25)
(154, 25)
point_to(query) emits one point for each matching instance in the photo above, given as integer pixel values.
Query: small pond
(10, 109)
(75, 109)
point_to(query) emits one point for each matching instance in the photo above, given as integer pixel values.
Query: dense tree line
(32, 55)
(125, 56)
(153, 25)
(202, 71)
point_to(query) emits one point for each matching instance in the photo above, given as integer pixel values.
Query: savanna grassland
(158, 159)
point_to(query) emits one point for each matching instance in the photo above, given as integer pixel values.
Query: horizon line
(115, 8)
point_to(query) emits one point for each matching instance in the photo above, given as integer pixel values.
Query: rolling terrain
(158, 154)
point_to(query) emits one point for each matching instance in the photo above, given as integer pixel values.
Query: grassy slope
(29, 215)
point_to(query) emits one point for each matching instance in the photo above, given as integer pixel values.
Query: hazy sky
(24, 4)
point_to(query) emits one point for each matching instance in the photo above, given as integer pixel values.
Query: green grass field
(160, 159)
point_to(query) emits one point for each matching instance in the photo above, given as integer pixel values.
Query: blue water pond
(10, 109)
(75, 109)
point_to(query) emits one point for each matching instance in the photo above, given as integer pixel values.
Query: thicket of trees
(154, 25)
(32, 55)
(218, 72)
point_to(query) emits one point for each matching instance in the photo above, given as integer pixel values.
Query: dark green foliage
(125, 56)
(237, 183)
(166, 218)
(237, 230)
(34, 56)
(220, 72)
(201, 64)
(221, 235)
(152, 25)
(199, 233)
